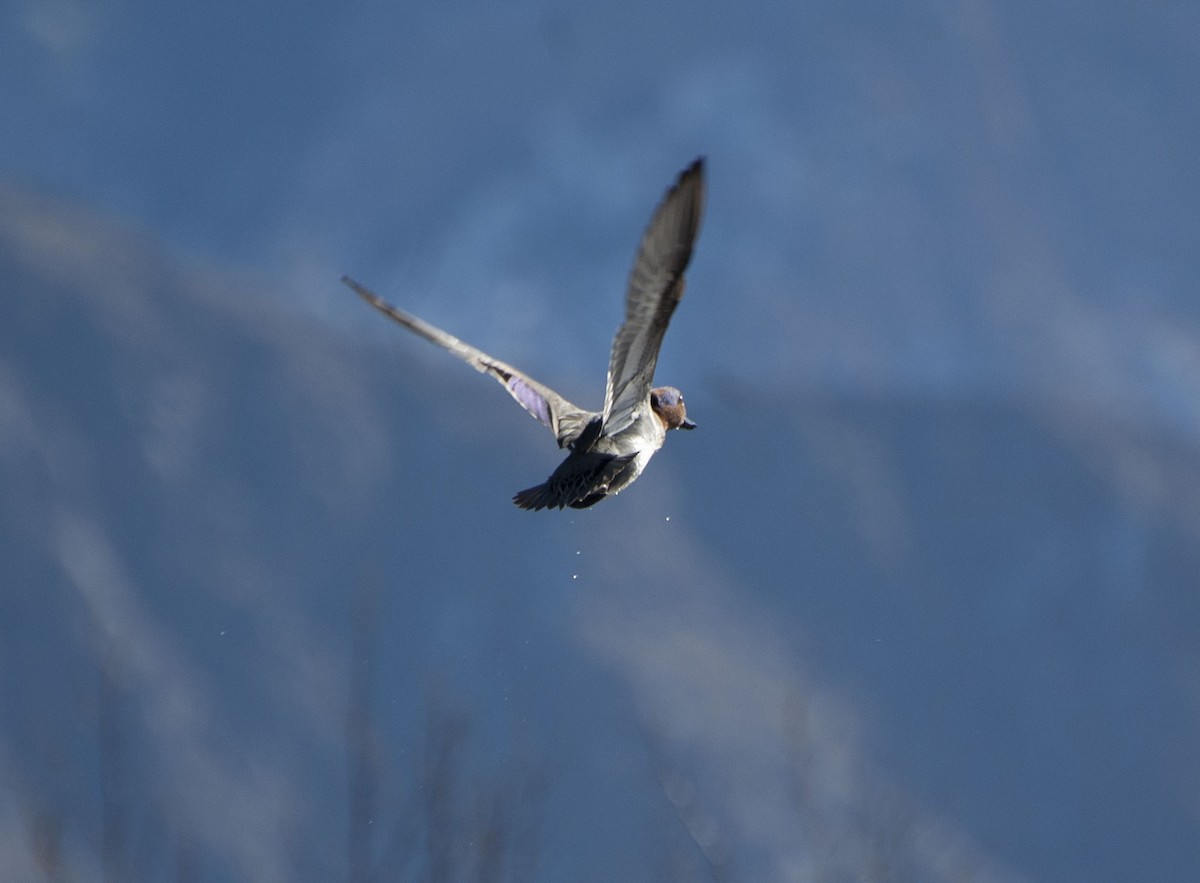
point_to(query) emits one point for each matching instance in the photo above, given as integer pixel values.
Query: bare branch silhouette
(362, 741)
(114, 776)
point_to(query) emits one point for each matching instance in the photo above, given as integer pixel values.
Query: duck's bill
(687, 424)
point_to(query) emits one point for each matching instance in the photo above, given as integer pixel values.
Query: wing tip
(367, 294)
(692, 176)
(689, 191)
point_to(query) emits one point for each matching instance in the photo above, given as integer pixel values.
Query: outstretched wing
(564, 419)
(655, 289)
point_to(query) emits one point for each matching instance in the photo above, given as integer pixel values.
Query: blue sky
(938, 195)
(975, 212)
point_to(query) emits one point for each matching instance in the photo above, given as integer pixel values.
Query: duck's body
(599, 468)
(609, 448)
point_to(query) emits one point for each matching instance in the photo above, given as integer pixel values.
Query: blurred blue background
(918, 601)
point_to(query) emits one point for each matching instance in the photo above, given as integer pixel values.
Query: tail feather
(537, 498)
(582, 480)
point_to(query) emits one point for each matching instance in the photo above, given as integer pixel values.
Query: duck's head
(667, 403)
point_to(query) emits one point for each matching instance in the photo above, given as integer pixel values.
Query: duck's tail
(545, 497)
(540, 497)
(580, 481)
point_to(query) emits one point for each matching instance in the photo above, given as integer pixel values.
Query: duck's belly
(642, 445)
